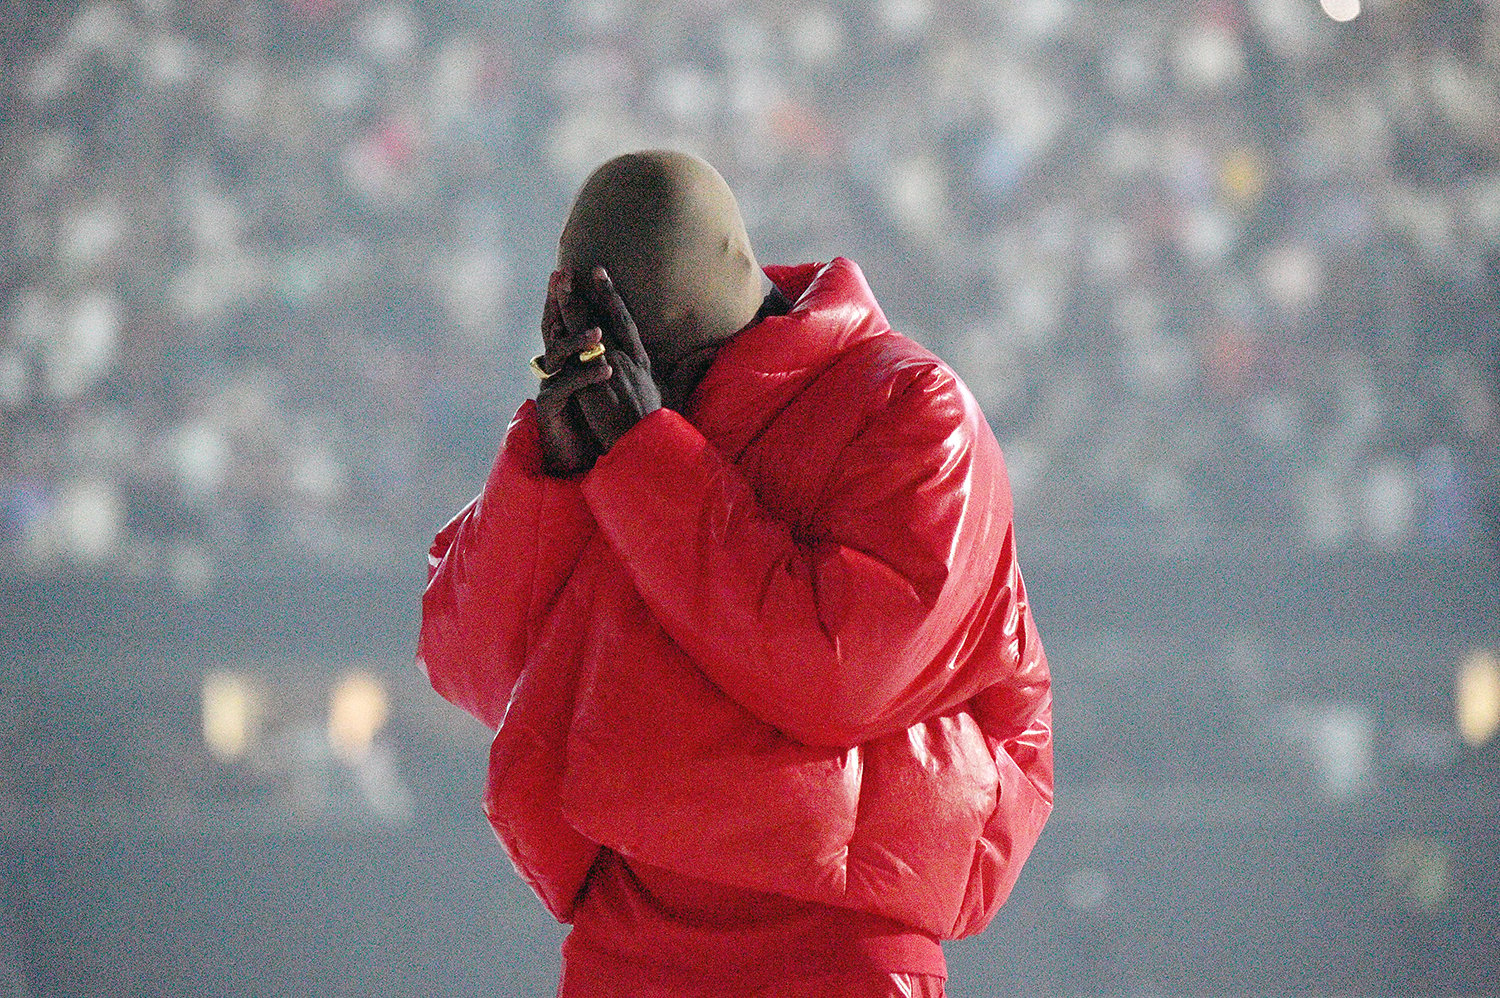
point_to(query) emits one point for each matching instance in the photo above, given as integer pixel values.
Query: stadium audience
(1222, 273)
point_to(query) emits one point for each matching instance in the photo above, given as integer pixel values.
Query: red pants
(864, 985)
(706, 940)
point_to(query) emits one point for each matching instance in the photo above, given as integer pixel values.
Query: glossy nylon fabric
(589, 984)
(780, 642)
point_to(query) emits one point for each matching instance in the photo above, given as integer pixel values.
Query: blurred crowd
(1220, 273)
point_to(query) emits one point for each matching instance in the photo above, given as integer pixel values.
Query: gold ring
(536, 368)
(584, 356)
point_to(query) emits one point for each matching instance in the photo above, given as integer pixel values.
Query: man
(740, 599)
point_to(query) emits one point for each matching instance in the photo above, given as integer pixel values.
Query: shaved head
(668, 229)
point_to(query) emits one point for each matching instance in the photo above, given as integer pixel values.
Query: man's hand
(568, 445)
(627, 393)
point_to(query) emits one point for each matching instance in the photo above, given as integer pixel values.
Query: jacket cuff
(657, 457)
(520, 499)
(522, 452)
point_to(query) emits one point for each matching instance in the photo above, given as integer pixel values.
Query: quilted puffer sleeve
(1016, 717)
(493, 569)
(863, 628)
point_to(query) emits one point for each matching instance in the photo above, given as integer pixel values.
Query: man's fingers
(551, 320)
(566, 345)
(575, 310)
(560, 343)
(621, 324)
(572, 378)
(551, 311)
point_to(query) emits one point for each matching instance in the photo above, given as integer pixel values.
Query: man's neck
(678, 379)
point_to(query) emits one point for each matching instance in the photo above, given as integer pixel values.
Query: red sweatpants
(864, 985)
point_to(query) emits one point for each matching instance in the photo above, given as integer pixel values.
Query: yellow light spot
(1243, 176)
(1478, 699)
(230, 713)
(356, 712)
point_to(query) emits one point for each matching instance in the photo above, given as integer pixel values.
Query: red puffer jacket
(781, 644)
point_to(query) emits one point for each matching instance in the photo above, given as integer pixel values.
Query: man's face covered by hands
(668, 231)
(655, 271)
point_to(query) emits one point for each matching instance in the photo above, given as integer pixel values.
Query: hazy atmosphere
(1225, 277)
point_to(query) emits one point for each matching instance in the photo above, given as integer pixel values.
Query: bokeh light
(1479, 697)
(230, 714)
(357, 710)
(1341, 10)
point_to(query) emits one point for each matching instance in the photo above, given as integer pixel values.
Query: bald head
(667, 228)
